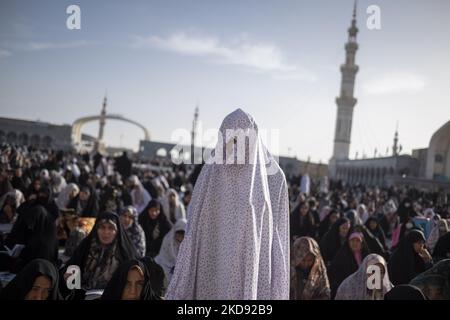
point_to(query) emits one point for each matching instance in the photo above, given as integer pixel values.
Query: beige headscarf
(317, 286)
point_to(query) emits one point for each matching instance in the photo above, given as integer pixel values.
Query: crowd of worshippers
(123, 224)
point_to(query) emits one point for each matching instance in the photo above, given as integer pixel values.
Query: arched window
(438, 158)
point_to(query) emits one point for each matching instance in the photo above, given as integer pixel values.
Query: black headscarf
(157, 276)
(116, 285)
(344, 263)
(124, 246)
(325, 225)
(377, 232)
(48, 202)
(331, 241)
(405, 292)
(154, 241)
(36, 230)
(302, 226)
(5, 186)
(19, 287)
(405, 263)
(406, 210)
(442, 247)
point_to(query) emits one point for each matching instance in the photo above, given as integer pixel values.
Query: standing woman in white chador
(237, 237)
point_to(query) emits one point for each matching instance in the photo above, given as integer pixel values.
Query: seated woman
(355, 286)
(169, 249)
(129, 221)
(439, 229)
(409, 259)
(333, 240)
(435, 282)
(66, 195)
(37, 281)
(35, 230)
(327, 222)
(309, 280)
(158, 278)
(173, 207)
(100, 253)
(442, 247)
(155, 225)
(131, 281)
(348, 259)
(375, 229)
(9, 204)
(85, 203)
(302, 222)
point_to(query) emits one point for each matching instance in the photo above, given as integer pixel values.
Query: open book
(15, 251)
(93, 294)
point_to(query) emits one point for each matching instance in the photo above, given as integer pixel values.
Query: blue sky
(278, 60)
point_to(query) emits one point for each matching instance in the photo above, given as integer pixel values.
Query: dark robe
(123, 165)
(157, 276)
(405, 292)
(331, 241)
(344, 264)
(19, 287)
(5, 187)
(405, 263)
(377, 232)
(325, 225)
(442, 247)
(116, 285)
(36, 230)
(155, 229)
(19, 184)
(302, 226)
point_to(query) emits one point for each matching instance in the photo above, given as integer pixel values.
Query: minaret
(346, 101)
(395, 148)
(99, 144)
(193, 134)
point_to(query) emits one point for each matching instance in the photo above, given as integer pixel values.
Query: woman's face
(419, 246)
(307, 262)
(179, 236)
(106, 233)
(172, 199)
(40, 289)
(84, 196)
(333, 218)
(153, 213)
(134, 284)
(37, 185)
(73, 194)
(372, 224)
(126, 219)
(355, 244)
(343, 229)
(304, 210)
